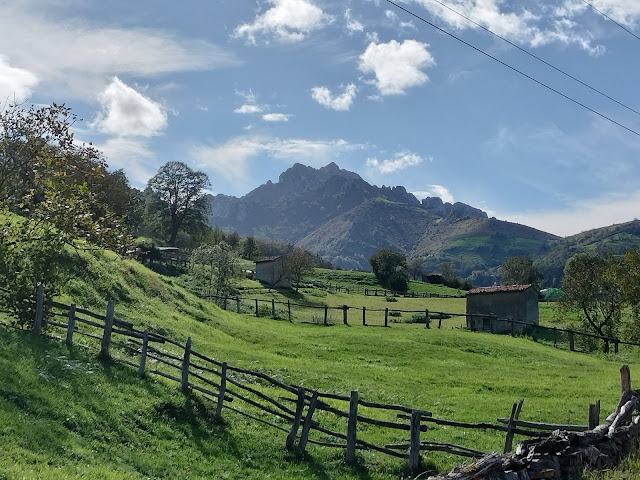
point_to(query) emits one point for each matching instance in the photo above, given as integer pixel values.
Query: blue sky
(242, 89)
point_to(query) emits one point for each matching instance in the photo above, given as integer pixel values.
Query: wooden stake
(289, 309)
(352, 424)
(414, 443)
(37, 323)
(594, 415)
(273, 308)
(571, 343)
(625, 379)
(291, 438)
(257, 307)
(184, 384)
(427, 320)
(306, 425)
(108, 327)
(386, 317)
(364, 316)
(71, 323)
(344, 314)
(143, 352)
(326, 308)
(515, 413)
(222, 390)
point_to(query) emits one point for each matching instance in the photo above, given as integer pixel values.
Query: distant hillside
(344, 219)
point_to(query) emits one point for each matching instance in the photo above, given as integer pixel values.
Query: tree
(414, 268)
(520, 271)
(250, 248)
(390, 269)
(589, 288)
(181, 192)
(298, 263)
(448, 272)
(222, 263)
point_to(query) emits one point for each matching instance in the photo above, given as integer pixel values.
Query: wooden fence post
(223, 389)
(515, 413)
(571, 343)
(37, 323)
(344, 314)
(289, 309)
(414, 443)
(71, 323)
(184, 384)
(325, 314)
(143, 352)
(625, 379)
(513, 329)
(440, 322)
(615, 345)
(364, 316)
(594, 415)
(555, 337)
(306, 425)
(427, 319)
(273, 308)
(386, 316)
(237, 304)
(257, 308)
(108, 326)
(291, 438)
(351, 428)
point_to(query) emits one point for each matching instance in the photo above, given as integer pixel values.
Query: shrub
(392, 299)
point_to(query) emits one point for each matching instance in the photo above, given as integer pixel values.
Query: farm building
(271, 270)
(509, 302)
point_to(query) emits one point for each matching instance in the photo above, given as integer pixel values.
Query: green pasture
(64, 415)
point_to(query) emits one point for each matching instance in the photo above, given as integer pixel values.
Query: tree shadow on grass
(318, 469)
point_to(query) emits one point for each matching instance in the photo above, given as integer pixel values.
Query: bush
(392, 299)
(395, 313)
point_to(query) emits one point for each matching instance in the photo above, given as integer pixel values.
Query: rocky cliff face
(459, 210)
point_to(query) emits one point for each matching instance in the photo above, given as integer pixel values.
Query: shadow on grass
(318, 470)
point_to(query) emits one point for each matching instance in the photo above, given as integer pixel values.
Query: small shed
(273, 272)
(490, 308)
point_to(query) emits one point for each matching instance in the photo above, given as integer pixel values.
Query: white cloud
(286, 20)
(276, 117)
(435, 191)
(535, 25)
(399, 161)
(16, 84)
(126, 112)
(353, 25)
(397, 66)
(74, 57)
(133, 155)
(626, 12)
(324, 97)
(248, 108)
(582, 215)
(232, 159)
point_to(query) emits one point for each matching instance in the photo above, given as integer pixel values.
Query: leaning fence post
(344, 314)
(143, 352)
(71, 323)
(291, 438)
(414, 443)
(625, 379)
(289, 309)
(37, 324)
(351, 428)
(184, 384)
(515, 413)
(108, 326)
(222, 390)
(306, 425)
(594, 415)
(386, 316)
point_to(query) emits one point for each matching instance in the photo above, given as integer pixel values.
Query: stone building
(490, 308)
(273, 271)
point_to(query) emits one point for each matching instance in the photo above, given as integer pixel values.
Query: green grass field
(64, 415)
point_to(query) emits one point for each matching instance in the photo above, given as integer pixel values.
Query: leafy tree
(221, 263)
(520, 271)
(390, 269)
(250, 248)
(180, 191)
(448, 271)
(414, 268)
(589, 288)
(298, 263)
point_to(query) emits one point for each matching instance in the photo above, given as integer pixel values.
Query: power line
(558, 92)
(609, 18)
(537, 58)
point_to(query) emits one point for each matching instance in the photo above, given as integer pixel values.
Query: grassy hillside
(101, 422)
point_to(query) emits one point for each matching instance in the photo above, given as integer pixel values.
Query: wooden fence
(305, 416)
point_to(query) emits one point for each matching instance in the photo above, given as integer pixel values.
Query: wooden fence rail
(222, 384)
